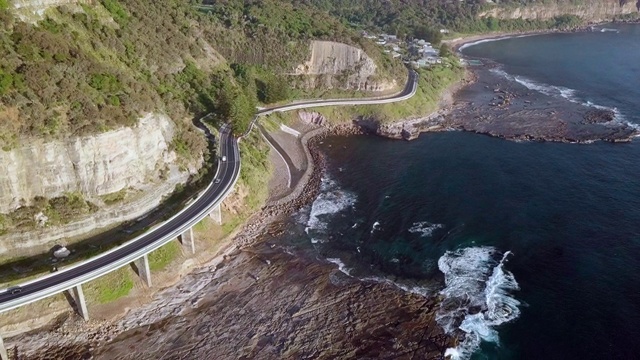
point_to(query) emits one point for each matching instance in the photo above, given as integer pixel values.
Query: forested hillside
(406, 17)
(84, 68)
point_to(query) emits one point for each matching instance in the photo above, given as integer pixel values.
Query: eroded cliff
(338, 65)
(593, 10)
(138, 160)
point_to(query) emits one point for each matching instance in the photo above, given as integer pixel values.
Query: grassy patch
(110, 287)
(432, 82)
(159, 259)
(256, 169)
(114, 197)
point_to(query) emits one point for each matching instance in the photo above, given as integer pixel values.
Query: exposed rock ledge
(337, 65)
(136, 158)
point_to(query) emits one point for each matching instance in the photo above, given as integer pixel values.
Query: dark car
(14, 290)
(217, 181)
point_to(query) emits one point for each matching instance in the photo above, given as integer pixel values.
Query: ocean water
(534, 247)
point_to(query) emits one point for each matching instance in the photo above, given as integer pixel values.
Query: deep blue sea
(535, 247)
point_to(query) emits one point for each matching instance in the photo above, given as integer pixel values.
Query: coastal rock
(496, 106)
(260, 304)
(312, 117)
(599, 116)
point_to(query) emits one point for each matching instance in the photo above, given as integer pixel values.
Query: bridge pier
(142, 268)
(81, 304)
(187, 239)
(3, 351)
(216, 214)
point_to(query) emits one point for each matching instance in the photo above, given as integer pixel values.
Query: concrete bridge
(180, 226)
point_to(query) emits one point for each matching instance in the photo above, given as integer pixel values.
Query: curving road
(228, 173)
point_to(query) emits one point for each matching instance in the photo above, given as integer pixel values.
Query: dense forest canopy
(405, 17)
(89, 68)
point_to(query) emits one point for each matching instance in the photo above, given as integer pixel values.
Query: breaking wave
(331, 200)
(476, 298)
(563, 92)
(424, 228)
(478, 42)
(341, 266)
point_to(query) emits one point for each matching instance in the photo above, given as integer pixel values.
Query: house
(444, 31)
(387, 37)
(395, 54)
(427, 50)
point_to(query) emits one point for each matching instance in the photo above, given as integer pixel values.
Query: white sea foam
(478, 42)
(477, 297)
(376, 227)
(424, 228)
(331, 200)
(413, 289)
(550, 90)
(341, 266)
(566, 93)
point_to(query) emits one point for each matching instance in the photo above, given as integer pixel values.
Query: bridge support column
(142, 268)
(216, 214)
(81, 304)
(187, 239)
(3, 351)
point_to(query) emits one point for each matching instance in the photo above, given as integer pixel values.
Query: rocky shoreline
(262, 300)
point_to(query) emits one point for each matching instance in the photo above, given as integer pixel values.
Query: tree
(445, 51)
(272, 90)
(6, 81)
(431, 35)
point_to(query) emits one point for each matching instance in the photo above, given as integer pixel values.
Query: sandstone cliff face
(33, 10)
(600, 10)
(337, 65)
(92, 165)
(138, 159)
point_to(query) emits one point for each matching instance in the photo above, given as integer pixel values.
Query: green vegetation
(417, 18)
(162, 257)
(110, 287)
(256, 169)
(432, 82)
(55, 211)
(114, 197)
